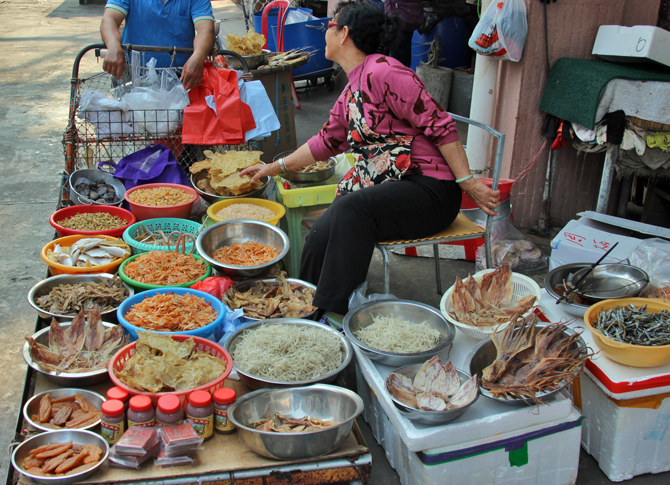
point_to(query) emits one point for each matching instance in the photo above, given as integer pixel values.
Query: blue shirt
(152, 22)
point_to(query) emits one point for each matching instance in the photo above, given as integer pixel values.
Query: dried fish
(635, 325)
(71, 299)
(88, 252)
(279, 423)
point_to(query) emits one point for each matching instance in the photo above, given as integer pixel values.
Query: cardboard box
(586, 240)
(278, 87)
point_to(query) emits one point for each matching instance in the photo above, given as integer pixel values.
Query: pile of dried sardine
(279, 423)
(532, 361)
(636, 326)
(484, 302)
(71, 299)
(289, 57)
(85, 346)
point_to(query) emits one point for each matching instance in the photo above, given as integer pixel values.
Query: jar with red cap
(120, 395)
(200, 413)
(223, 399)
(112, 421)
(169, 411)
(141, 412)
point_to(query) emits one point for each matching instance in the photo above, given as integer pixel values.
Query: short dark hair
(372, 31)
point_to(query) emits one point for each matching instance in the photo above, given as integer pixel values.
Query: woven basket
(523, 286)
(167, 225)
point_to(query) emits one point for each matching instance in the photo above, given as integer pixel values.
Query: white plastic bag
(502, 30)
(511, 247)
(357, 297)
(653, 256)
(298, 15)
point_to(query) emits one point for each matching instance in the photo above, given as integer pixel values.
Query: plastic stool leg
(294, 218)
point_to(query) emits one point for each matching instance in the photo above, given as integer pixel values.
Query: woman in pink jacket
(410, 166)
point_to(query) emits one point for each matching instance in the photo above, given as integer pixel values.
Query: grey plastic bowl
(95, 175)
(78, 436)
(428, 417)
(32, 406)
(412, 311)
(45, 286)
(320, 401)
(212, 198)
(236, 231)
(255, 382)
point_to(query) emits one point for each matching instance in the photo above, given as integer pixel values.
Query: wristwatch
(282, 165)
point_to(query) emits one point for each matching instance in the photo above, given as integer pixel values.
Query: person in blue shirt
(159, 23)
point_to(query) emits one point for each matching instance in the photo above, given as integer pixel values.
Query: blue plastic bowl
(204, 332)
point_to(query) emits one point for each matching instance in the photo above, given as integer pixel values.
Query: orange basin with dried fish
(63, 409)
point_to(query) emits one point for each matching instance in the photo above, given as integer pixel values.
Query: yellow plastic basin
(275, 207)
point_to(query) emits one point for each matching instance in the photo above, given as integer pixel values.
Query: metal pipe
(606, 179)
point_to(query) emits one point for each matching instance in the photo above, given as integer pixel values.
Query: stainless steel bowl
(307, 177)
(412, 311)
(610, 281)
(320, 401)
(32, 406)
(212, 198)
(79, 437)
(95, 175)
(237, 231)
(485, 353)
(558, 276)
(245, 285)
(255, 382)
(45, 286)
(428, 417)
(65, 379)
(253, 62)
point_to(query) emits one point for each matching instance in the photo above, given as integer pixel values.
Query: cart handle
(148, 48)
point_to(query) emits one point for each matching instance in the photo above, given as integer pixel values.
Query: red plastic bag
(214, 285)
(202, 126)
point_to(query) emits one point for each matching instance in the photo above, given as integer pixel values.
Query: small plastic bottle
(223, 399)
(112, 421)
(169, 411)
(141, 412)
(200, 413)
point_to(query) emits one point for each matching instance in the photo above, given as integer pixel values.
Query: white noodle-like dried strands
(394, 334)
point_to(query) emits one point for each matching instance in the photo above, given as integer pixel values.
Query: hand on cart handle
(114, 63)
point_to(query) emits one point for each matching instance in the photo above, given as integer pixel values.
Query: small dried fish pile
(532, 361)
(635, 326)
(267, 299)
(288, 58)
(92, 221)
(482, 303)
(171, 312)
(88, 252)
(156, 238)
(71, 299)
(71, 412)
(85, 346)
(279, 423)
(434, 388)
(58, 459)
(97, 191)
(162, 364)
(165, 268)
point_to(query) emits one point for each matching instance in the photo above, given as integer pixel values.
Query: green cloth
(574, 86)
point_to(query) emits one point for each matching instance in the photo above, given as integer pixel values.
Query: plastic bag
(653, 256)
(153, 164)
(298, 15)
(502, 30)
(510, 246)
(254, 94)
(214, 285)
(357, 297)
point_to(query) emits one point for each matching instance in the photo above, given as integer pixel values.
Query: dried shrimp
(171, 312)
(165, 268)
(249, 253)
(71, 299)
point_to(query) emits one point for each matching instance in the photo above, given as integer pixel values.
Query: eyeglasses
(332, 23)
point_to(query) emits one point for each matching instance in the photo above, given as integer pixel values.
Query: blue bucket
(454, 34)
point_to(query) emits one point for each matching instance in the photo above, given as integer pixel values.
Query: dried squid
(84, 346)
(531, 361)
(279, 423)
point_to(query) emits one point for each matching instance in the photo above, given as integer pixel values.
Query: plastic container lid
(224, 395)
(169, 404)
(113, 407)
(117, 393)
(200, 398)
(140, 403)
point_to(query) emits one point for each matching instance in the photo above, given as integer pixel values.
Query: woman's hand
(482, 195)
(261, 170)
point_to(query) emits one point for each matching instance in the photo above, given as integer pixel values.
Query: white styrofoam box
(633, 44)
(626, 441)
(484, 420)
(546, 454)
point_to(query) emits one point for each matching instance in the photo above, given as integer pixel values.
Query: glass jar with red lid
(223, 399)
(141, 412)
(169, 410)
(112, 421)
(200, 413)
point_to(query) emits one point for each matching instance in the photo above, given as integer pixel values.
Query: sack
(502, 30)
(153, 164)
(227, 121)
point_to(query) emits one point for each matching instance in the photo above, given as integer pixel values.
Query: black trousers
(338, 250)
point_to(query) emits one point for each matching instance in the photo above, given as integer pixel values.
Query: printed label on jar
(221, 421)
(111, 432)
(145, 424)
(203, 426)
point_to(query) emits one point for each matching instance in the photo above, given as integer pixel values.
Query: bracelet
(464, 179)
(282, 165)
(471, 187)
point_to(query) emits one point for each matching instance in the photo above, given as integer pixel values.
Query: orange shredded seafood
(170, 312)
(249, 253)
(163, 268)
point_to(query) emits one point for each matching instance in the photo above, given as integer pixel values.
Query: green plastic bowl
(137, 286)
